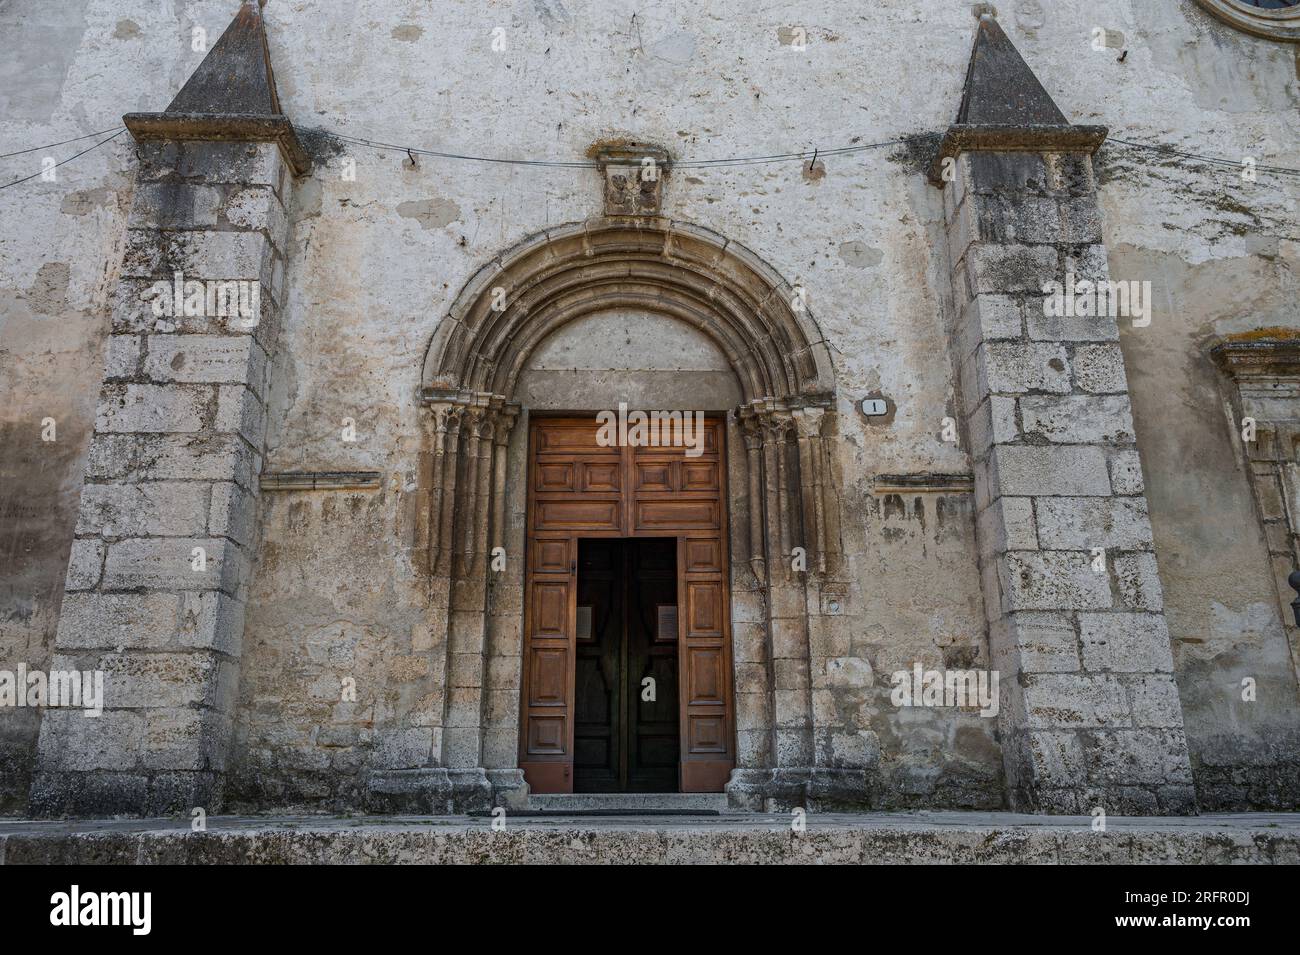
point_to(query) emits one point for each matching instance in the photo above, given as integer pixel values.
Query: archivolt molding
(675, 268)
(672, 268)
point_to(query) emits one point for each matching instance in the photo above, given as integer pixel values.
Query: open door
(579, 490)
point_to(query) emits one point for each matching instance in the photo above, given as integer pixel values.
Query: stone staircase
(627, 804)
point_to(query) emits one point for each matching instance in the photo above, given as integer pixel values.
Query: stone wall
(375, 261)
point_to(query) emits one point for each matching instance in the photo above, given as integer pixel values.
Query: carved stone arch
(561, 274)
(782, 427)
(678, 269)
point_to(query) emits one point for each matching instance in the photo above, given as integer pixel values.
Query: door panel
(654, 739)
(583, 697)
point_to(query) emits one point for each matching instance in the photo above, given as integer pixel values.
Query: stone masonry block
(1081, 219)
(1044, 642)
(1125, 642)
(135, 680)
(1017, 219)
(1007, 172)
(1007, 524)
(994, 422)
(123, 357)
(1057, 758)
(207, 456)
(224, 255)
(1100, 369)
(86, 564)
(1003, 368)
(1078, 419)
(72, 742)
(232, 513)
(963, 230)
(100, 621)
(186, 738)
(1071, 174)
(211, 162)
(403, 747)
(461, 746)
(145, 306)
(175, 205)
(1089, 262)
(1137, 757)
(210, 620)
(1126, 472)
(257, 207)
(1075, 701)
(152, 408)
(1029, 471)
(1068, 328)
(169, 564)
(1082, 523)
(988, 318)
(992, 268)
(142, 255)
(1155, 702)
(1052, 580)
(207, 359)
(153, 509)
(1139, 583)
(239, 410)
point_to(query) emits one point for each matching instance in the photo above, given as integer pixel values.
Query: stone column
(1090, 715)
(165, 539)
(468, 436)
(787, 755)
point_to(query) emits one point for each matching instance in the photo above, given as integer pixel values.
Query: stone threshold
(748, 838)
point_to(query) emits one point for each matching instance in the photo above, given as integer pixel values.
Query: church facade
(888, 409)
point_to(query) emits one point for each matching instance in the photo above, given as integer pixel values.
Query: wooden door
(651, 718)
(580, 490)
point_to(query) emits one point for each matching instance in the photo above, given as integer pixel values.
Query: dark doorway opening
(626, 731)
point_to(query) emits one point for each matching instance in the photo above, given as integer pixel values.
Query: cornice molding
(1258, 357)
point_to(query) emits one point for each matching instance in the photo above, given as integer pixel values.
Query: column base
(509, 788)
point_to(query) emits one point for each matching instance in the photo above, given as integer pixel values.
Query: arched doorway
(782, 495)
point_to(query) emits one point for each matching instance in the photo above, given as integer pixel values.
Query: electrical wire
(719, 163)
(68, 160)
(1234, 164)
(74, 139)
(591, 164)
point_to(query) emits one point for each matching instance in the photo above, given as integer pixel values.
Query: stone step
(544, 838)
(631, 803)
